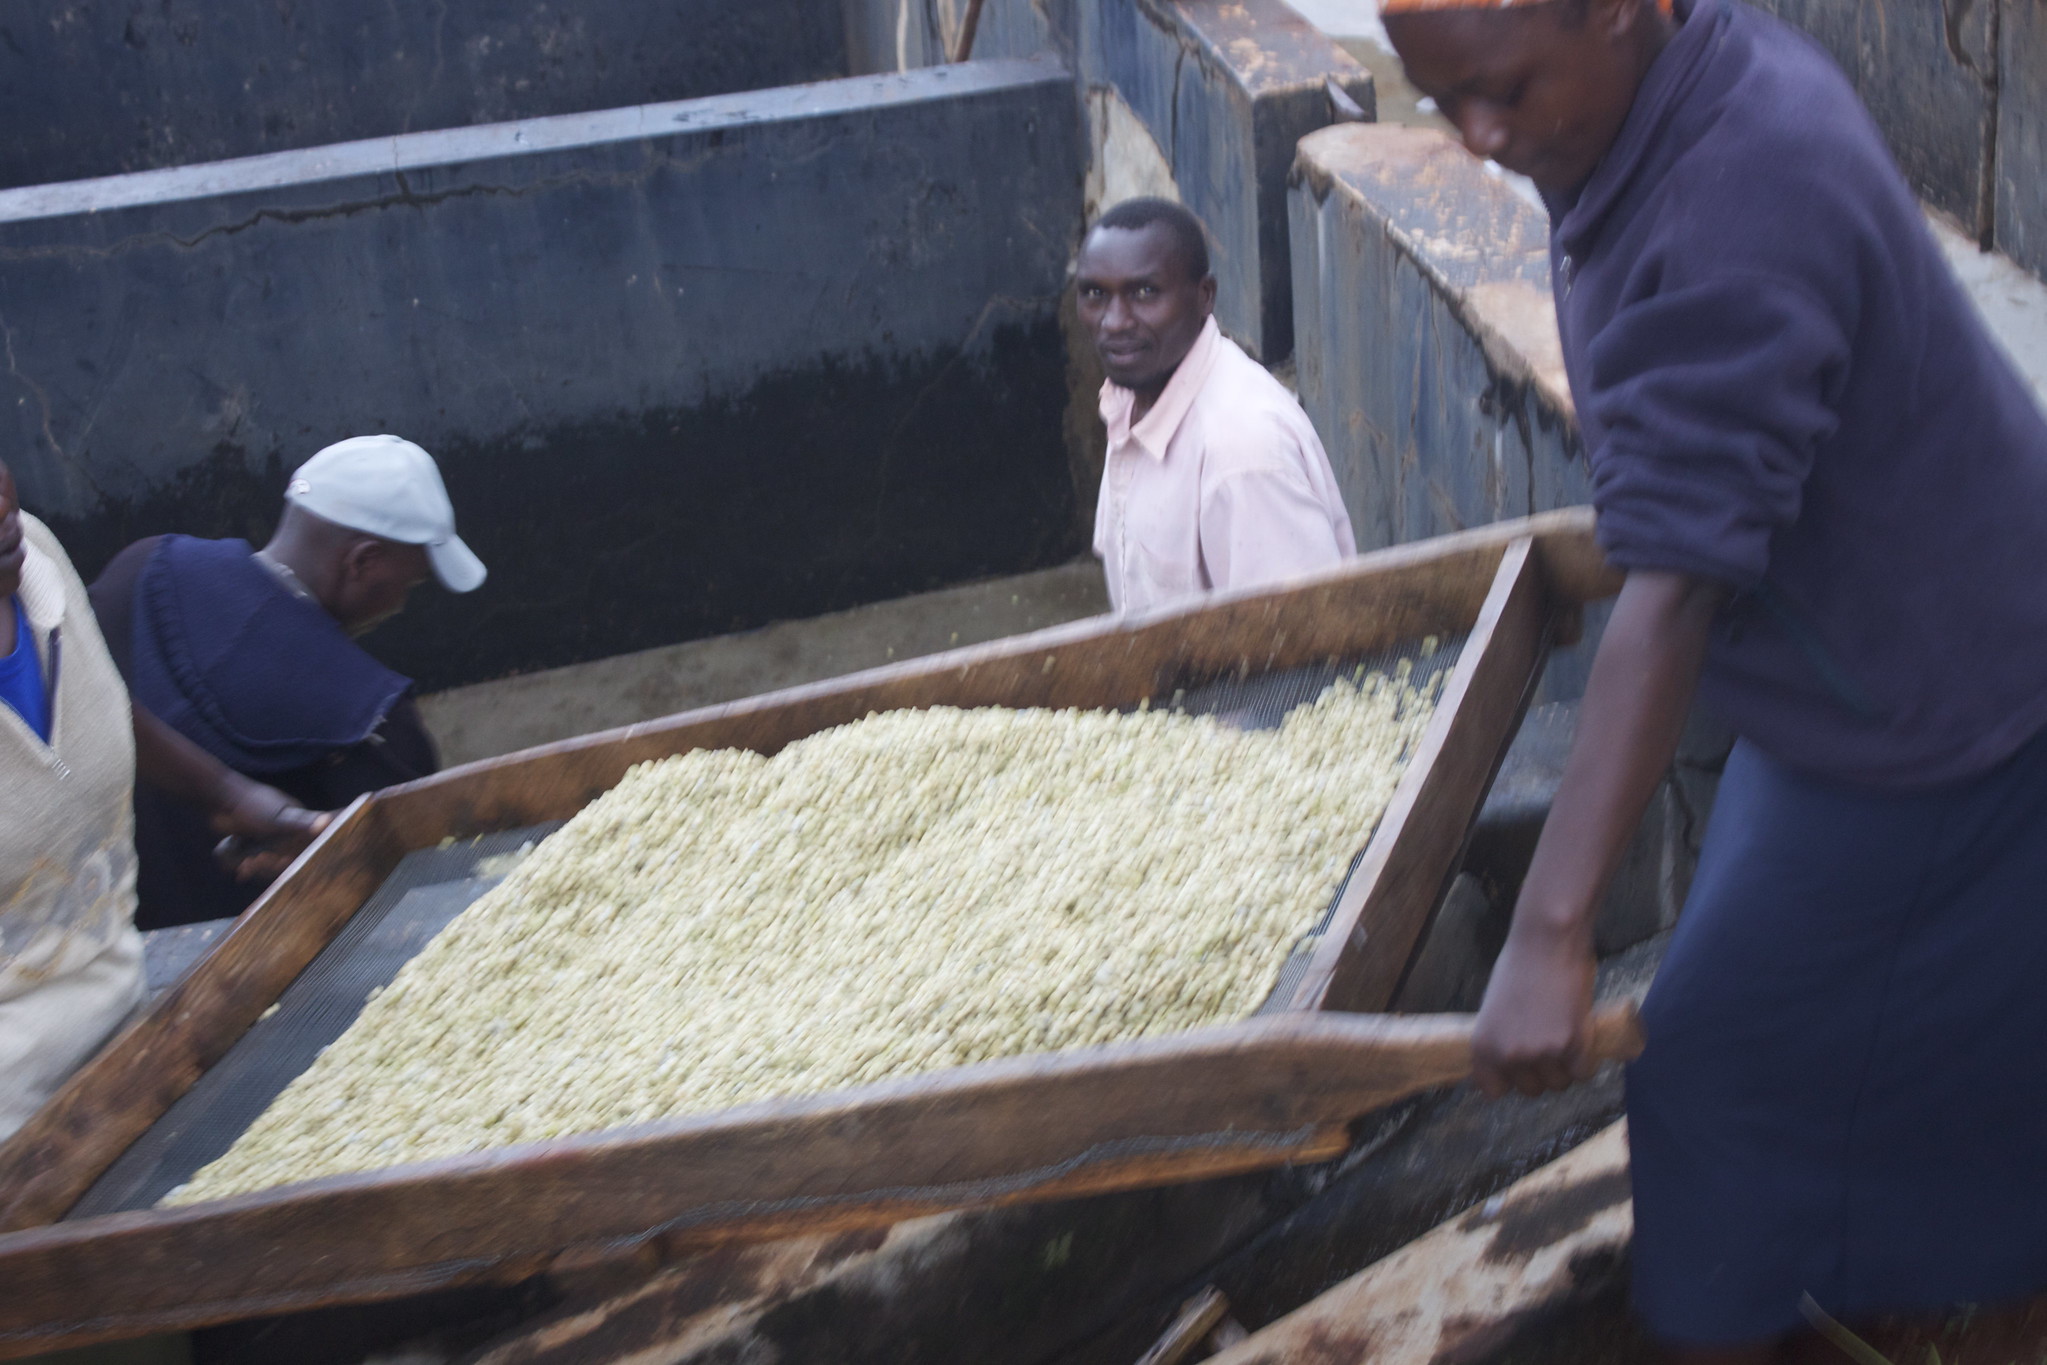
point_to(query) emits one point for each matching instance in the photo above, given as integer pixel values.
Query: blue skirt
(1845, 1088)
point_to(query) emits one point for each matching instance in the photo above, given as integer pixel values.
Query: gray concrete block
(1427, 352)
(1925, 85)
(1228, 88)
(690, 368)
(2022, 135)
(99, 88)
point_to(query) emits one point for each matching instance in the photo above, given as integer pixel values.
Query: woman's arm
(1532, 1027)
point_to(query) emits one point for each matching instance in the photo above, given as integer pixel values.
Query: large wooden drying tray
(1240, 1097)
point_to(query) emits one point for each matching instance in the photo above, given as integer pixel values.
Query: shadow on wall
(817, 489)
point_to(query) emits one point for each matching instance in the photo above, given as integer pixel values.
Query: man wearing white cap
(251, 654)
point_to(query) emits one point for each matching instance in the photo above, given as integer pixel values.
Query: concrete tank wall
(689, 368)
(1426, 344)
(1427, 353)
(2021, 189)
(1224, 88)
(1227, 88)
(93, 87)
(1959, 88)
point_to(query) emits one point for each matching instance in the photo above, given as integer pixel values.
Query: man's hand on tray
(265, 829)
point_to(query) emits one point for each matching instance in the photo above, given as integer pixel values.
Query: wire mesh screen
(1261, 701)
(431, 887)
(422, 896)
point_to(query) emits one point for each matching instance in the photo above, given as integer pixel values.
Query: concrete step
(487, 719)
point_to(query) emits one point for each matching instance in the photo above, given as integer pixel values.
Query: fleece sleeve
(1713, 397)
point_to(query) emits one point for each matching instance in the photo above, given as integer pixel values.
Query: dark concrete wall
(1924, 84)
(2022, 135)
(99, 87)
(689, 368)
(1227, 88)
(1959, 88)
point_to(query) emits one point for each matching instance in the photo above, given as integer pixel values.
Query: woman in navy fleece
(1829, 490)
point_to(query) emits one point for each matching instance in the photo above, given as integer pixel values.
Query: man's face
(1138, 303)
(13, 548)
(376, 578)
(1542, 89)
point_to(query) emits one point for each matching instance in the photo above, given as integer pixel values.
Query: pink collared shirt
(1221, 485)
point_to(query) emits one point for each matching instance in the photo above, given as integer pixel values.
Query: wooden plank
(1473, 1280)
(1360, 959)
(1234, 1098)
(1380, 600)
(1372, 602)
(114, 1098)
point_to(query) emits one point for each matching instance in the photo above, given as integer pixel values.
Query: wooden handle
(1617, 1034)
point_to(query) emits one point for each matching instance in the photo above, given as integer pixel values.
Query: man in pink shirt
(1215, 477)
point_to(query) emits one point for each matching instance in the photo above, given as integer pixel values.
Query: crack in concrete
(42, 397)
(406, 197)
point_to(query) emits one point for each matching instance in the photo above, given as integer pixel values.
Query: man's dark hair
(1190, 240)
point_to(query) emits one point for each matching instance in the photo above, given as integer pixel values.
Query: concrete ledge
(690, 368)
(492, 718)
(98, 89)
(1227, 88)
(2012, 303)
(1427, 353)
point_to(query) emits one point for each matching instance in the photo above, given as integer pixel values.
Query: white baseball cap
(387, 486)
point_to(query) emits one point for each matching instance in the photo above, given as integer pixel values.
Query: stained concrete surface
(97, 87)
(492, 718)
(1425, 337)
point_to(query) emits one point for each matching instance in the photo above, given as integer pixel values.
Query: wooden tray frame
(1242, 1097)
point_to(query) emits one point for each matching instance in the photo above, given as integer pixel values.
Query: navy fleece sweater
(1782, 387)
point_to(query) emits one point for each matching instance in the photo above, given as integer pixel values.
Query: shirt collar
(1156, 429)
